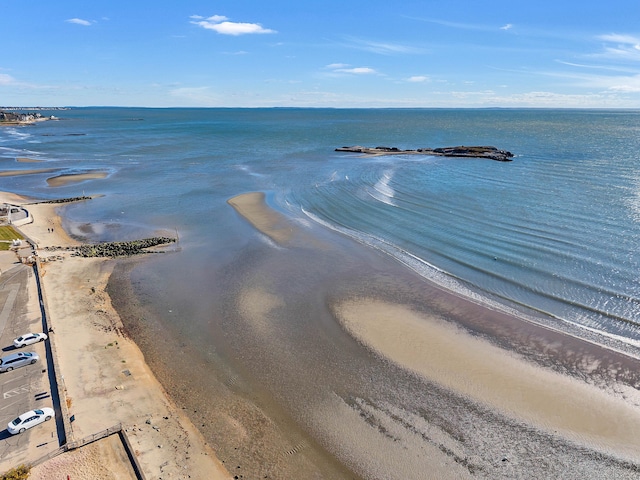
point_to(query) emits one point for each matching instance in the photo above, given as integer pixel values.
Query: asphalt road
(27, 387)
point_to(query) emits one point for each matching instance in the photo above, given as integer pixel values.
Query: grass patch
(7, 232)
(19, 473)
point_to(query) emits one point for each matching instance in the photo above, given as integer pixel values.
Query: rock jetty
(491, 153)
(121, 249)
(63, 200)
(116, 249)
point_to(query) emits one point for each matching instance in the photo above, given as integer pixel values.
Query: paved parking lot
(27, 387)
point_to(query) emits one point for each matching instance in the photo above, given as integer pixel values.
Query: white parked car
(28, 339)
(30, 419)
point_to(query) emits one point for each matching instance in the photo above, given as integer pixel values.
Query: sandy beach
(106, 378)
(480, 393)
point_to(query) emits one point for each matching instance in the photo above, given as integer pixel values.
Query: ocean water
(557, 230)
(552, 235)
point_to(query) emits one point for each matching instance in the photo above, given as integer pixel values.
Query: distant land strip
(491, 153)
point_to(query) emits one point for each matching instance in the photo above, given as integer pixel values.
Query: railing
(79, 443)
(94, 438)
(49, 456)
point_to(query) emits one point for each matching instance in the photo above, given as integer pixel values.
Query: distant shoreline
(11, 119)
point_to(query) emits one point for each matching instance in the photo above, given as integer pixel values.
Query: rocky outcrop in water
(491, 153)
(10, 118)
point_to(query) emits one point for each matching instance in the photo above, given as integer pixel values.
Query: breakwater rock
(120, 249)
(63, 200)
(491, 153)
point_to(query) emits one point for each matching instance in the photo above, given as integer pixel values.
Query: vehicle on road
(28, 339)
(30, 419)
(16, 360)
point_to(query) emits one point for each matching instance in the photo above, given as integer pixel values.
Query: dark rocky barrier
(491, 153)
(116, 249)
(62, 200)
(121, 249)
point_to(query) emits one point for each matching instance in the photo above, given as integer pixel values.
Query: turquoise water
(557, 230)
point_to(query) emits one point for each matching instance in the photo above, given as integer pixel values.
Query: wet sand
(252, 207)
(15, 173)
(337, 362)
(63, 180)
(554, 396)
(492, 376)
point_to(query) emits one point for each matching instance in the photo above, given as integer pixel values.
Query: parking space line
(8, 305)
(9, 405)
(15, 379)
(16, 391)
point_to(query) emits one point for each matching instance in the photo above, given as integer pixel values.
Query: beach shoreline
(436, 341)
(560, 385)
(106, 378)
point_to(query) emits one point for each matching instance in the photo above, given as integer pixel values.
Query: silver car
(16, 360)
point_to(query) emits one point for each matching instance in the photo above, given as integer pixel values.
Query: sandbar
(485, 373)
(63, 180)
(252, 207)
(15, 173)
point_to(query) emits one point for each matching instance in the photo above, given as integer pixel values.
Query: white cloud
(460, 25)
(217, 18)
(6, 79)
(382, 48)
(624, 39)
(339, 69)
(79, 21)
(627, 85)
(231, 28)
(201, 96)
(627, 47)
(221, 25)
(534, 99)
(614, 83)
(418, 79)
(356, 70)
(508, 26)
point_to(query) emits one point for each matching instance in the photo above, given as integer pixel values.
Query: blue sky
(348, 53)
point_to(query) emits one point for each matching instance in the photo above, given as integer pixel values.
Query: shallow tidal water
(242, 331)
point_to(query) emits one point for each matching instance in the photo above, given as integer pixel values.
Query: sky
(329, 53)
